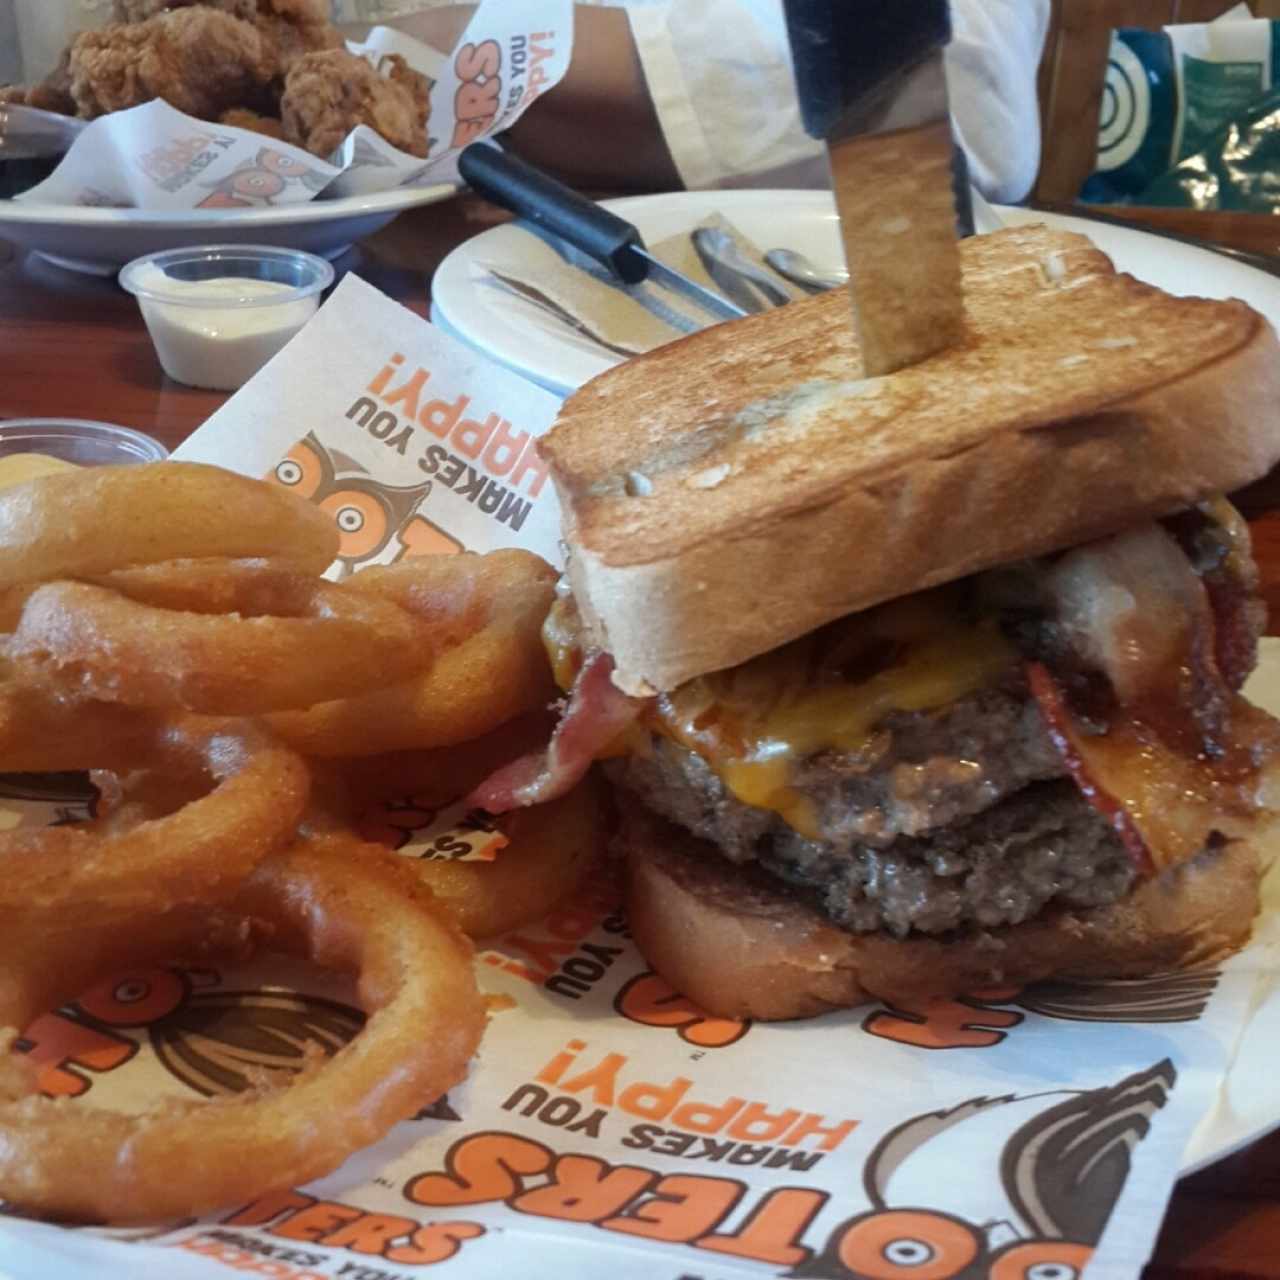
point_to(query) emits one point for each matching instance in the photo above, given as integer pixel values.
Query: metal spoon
(735, 273)
(799, 270)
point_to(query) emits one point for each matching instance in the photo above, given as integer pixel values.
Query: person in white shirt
(699, 93)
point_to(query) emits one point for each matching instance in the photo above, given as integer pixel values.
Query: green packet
(1238, 170)
(1169, 94)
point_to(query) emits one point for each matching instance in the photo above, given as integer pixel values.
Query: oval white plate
(101, 241)
(519, 334)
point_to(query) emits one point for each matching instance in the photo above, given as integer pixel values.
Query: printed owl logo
(1168, 997)
(369, 515)
(257, 182)
(979, 1021)
(217, 1042)
(1048, 1170)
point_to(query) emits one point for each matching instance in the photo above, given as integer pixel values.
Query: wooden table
(74, 346)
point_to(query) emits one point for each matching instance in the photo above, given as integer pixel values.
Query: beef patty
(990, 844)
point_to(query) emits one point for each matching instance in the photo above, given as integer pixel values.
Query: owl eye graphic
(136, 999)
(368, 514)
(306, 469)
(255, 182)
(909, 1244)
(282, 164)
(361, 519)
(1041, 1260)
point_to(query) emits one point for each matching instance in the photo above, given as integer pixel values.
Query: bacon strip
(1134, 609)
(1164, 805)
(597, 714)
(1183, 760)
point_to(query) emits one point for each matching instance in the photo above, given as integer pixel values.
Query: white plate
(101, 241)
(520, 335)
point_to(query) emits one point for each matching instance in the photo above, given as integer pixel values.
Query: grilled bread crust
(740, 487)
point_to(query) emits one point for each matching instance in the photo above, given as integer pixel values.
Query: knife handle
(846, 51)
(549, 204)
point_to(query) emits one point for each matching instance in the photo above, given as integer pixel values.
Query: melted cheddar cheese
(831, 690)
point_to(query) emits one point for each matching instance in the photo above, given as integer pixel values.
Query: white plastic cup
(217, 313)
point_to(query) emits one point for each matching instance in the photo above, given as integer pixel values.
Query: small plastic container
(217, 313)
(86, 444)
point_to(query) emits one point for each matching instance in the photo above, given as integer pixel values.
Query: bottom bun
(734, 939)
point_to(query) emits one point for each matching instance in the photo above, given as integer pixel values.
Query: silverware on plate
(792, 265)
(551, 206)
(735, 273)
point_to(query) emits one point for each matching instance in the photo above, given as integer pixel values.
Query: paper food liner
(155, 157)
(624, 319)
(609, 1126)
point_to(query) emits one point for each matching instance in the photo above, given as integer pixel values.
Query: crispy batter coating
(293, 27)
(141, 10)
(327, 94)
(197, 59)
(243, 118)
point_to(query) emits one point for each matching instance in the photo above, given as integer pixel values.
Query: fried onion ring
(550, 847)
(201, 852)
(499, 672)
(341, 905)
(44, 731)
(251, 636)
(91, 521)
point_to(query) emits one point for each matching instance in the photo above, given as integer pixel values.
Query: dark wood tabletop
(75, 346)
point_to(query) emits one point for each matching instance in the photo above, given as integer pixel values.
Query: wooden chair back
(1072, 72)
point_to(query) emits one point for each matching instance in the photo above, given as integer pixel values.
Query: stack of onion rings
(498, 670)
(135, 605)
(340, 904)
(250, 636)
(199, 853)
(77, 523)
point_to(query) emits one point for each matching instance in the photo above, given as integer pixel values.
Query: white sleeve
(991, 76)
(719, 73)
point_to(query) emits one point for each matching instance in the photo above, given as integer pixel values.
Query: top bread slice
(738, 488)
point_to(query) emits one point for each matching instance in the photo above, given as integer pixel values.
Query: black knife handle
(845, 51)
(549, 204)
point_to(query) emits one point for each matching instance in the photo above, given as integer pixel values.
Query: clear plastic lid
(300, 274)
(87, 444)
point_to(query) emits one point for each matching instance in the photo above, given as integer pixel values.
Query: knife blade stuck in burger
(920, 684)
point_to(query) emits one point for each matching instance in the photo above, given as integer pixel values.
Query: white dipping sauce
(218, 333)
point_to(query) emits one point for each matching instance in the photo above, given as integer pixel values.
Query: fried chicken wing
(141, 10)
(293, 27)
(242, 118)
(198, 59)
(327, 94)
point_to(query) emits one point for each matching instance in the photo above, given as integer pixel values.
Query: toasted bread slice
(734, 490)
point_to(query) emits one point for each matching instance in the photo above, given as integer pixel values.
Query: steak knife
(872, 86)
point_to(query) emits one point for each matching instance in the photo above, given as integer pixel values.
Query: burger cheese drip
(755, 723)
(829, 691)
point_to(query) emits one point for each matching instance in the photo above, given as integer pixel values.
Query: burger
(917, 685)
